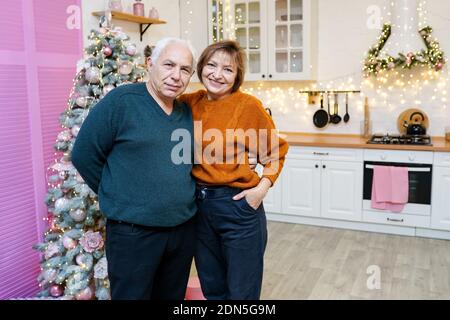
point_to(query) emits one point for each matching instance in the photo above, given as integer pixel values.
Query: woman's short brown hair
(236, 53)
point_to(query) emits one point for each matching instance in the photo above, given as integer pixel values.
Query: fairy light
(407, 85)
(189, 9)
(395, 87)
(61, 157)
(216, 21)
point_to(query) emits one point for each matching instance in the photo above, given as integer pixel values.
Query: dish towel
(390, 188)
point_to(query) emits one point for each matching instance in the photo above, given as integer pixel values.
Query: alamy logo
(214, 146)
(73, 21)
(374, 280)
(374, 19)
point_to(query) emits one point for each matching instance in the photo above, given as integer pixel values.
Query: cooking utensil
(336, 118)
(320, 118)
(415, 128)
(329, 111)
(405, 115)
(346, 116)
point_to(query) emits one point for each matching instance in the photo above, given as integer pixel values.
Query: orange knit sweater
(225, 132)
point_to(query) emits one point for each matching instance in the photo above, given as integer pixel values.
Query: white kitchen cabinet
(273, 201)
(324, 186)
(301, 187)
(278, 36)
(317, 187)
(291, 34)
(396, 219)
(341, 190)
(440, 201)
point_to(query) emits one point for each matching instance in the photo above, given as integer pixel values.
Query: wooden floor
(307, 262)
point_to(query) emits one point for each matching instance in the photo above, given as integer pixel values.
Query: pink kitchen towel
(400, 185)
(381, 184)
(390, 188)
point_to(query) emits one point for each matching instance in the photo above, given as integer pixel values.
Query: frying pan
(320, 118)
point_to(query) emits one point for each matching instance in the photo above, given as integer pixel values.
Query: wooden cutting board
(406, 114)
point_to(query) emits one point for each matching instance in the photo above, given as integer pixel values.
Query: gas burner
(398, 139)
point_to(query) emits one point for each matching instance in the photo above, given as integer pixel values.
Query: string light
(398, 87)
(61, 169)
(187, 30)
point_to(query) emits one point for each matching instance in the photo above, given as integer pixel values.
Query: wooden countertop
(356, 141)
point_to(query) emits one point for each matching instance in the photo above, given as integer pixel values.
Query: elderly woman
(231, 222)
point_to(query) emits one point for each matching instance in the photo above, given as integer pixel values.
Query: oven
(420, 169)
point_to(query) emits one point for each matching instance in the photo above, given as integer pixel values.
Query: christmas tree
(74, 263)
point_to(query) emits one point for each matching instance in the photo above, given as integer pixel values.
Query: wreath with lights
(432, 56)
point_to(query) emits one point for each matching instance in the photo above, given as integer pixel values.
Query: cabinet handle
(321, 153)
(324, 166)
(317, 165)
(395, 220)
(270, 76)
(263, 76)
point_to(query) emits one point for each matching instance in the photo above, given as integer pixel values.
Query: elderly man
(123, 152)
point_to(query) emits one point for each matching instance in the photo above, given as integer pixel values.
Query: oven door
(419, 200)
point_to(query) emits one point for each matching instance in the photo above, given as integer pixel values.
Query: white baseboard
(360, 226)
(431, 233)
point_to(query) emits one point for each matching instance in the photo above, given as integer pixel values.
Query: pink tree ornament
(56, 290)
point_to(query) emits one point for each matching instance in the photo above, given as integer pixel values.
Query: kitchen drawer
(315, 153)
(405, 156)
(397, 219)
(410, 208)
(442, 159)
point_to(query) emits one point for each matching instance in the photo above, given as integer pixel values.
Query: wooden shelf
(329, 91)
(142, 21)
(312, 94)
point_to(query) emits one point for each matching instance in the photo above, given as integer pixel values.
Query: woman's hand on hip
(252, 161)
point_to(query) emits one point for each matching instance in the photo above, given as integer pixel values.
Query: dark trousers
(231, 240)
(149, 262)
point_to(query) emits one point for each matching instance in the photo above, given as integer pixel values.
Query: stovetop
(400, 139)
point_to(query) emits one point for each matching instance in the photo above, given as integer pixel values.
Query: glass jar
(115, 5)
(153, 13)
(138, 8)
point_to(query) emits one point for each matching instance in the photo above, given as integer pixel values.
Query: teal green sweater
(123, 152)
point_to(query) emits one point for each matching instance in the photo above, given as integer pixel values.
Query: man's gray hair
(163, 43)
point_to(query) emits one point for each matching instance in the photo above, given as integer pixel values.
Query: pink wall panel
(52, 34)
(54, 89)
(38, 56)
(11, 27)
(18, 262)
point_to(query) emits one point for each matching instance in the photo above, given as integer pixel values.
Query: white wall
(168, 11)
(343, 40)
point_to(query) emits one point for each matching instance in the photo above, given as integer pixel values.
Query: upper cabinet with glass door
(277, 35)
(291, 31)
(216, 28)
(244, 21)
